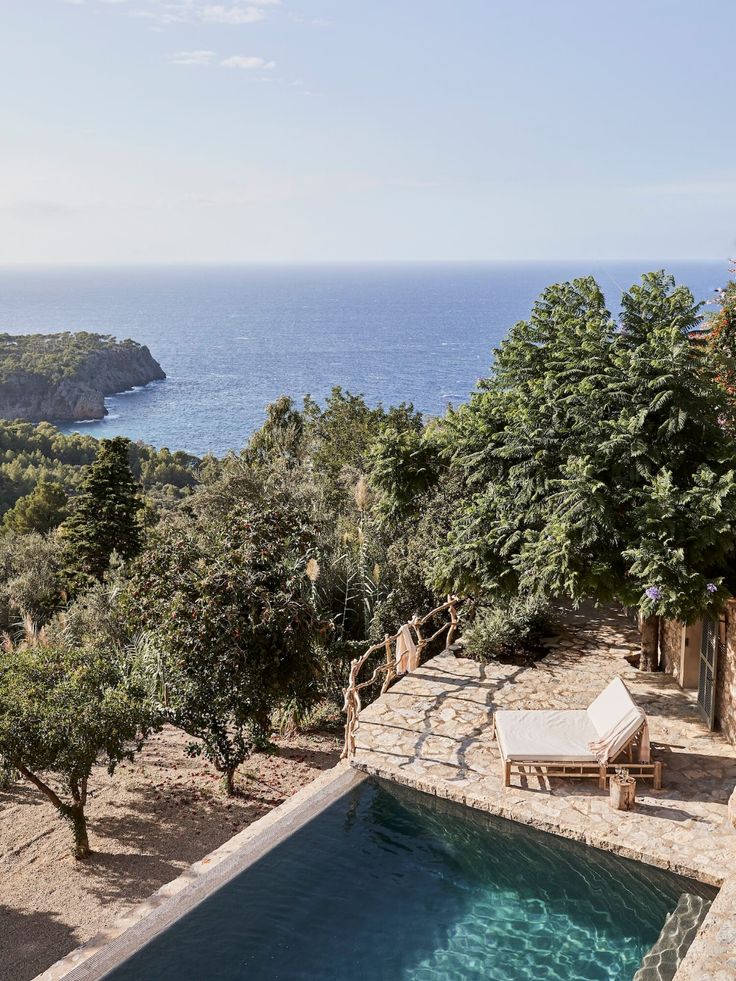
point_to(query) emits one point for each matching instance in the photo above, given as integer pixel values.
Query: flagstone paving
(433, 731)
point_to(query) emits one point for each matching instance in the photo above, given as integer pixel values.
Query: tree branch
(40, 785)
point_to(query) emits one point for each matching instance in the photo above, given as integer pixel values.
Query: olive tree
(62, 711)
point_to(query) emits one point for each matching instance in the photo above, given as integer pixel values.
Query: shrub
(509, 630)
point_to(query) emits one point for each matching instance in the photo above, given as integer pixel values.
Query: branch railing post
(352, 704)
(390, 665)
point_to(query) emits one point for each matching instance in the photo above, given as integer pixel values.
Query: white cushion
(610, 707)
(545, 736)
(565, 736)
(616, 717)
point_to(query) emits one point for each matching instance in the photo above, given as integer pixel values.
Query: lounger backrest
(615, 715)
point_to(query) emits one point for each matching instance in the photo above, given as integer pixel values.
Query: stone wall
(726, 678)
(670, 646)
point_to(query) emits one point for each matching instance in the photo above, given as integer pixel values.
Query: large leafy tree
(62, 710)
(595, 460)
(223, 592)
(104, 518)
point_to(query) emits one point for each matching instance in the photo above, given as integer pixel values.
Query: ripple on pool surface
(391, 884)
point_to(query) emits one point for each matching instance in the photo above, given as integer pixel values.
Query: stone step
(661, 962)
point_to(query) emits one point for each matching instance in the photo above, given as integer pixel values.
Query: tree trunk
(73, 813)
(78, 822)
(76, 816)
(623, 794)
(229, 781)
(649, 658)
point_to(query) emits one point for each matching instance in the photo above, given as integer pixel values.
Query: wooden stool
(623, 791)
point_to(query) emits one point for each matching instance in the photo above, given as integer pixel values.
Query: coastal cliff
(65, 377)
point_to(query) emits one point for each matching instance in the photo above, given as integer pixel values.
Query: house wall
(682, 662)
(670, 647)
(726, 678)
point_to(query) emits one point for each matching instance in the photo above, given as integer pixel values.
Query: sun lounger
(589, 742)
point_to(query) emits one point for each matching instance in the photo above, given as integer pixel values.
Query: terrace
(433, 731)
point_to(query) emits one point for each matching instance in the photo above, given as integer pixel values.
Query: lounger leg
(658, 775)
(506, 766)
(602, 777)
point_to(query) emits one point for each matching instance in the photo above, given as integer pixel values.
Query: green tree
(595, 460)
(42, 510)
(104, 516)
(224, 592)
(721, 335)
(404, 466)
(62, 710)
(31, 579)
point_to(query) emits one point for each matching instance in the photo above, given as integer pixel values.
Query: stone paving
(433, 731)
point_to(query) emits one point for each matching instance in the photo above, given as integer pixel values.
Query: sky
(218, 131)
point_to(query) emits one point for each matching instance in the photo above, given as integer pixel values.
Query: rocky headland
(65, 377)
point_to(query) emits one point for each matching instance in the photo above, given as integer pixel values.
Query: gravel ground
(150, 821)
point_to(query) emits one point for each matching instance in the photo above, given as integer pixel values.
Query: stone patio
(433, 731)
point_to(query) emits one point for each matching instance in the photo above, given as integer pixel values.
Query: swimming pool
(388, 883)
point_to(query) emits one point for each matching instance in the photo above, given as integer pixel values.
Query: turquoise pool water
(392, 884)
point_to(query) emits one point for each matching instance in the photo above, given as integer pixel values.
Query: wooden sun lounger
(558, 743)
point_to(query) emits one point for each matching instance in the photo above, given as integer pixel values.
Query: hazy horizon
(290, 263)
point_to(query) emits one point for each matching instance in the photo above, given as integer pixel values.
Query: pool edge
(111, 946)
(712, 954)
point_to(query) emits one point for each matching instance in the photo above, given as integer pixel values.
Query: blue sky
(295, 130)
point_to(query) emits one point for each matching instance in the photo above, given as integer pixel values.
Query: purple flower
(654, 593)
(712, 588)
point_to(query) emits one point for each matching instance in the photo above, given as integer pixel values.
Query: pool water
(388, 883)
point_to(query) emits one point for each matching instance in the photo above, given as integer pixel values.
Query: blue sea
(232, 339)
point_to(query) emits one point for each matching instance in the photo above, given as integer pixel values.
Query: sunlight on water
(391, 884)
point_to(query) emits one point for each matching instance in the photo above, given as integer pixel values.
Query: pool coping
(113, 945)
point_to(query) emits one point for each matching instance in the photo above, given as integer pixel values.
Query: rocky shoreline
(114, 367)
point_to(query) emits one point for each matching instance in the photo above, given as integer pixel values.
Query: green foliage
(31, 579)
(104, 517)
(225, 594)
(721, 335)
(97, 618)
(328, 456)
(42, 510)
(508, 630)
(595, 460)
(403, 468)
(53, 356)
(30, 454)
(62, 710)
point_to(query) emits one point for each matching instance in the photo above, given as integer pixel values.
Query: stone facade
(726, 679)
(675, 663)
(670, 647)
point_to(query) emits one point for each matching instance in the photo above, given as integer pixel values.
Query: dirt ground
(147, 823)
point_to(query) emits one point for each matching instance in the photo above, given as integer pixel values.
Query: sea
(232, 339)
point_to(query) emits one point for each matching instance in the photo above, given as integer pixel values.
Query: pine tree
(104, 516)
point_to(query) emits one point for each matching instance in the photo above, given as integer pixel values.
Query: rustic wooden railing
(352, 704)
